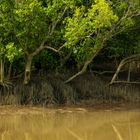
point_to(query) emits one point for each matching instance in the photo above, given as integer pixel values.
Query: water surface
(68, 124)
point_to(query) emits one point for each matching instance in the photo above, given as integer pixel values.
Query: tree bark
(30, 57)
(117, 72)
(9, 71)
(1, 71)
(28, 69)
(129, 73)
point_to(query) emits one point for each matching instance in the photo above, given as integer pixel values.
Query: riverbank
(34, 110)
(50, 90)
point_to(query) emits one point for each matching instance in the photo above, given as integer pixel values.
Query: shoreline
(26, 110)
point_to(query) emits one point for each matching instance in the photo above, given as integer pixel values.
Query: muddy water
(68, 124)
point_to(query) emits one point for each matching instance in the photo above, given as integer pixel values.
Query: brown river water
(32, 123)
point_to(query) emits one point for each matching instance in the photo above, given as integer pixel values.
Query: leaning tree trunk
(28, 69)
(122, 63)
(85, 66)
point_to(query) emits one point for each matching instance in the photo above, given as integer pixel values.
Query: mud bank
(50, 90)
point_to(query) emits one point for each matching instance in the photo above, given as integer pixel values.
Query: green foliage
(12, 52)
(6, 29)
(137, 47)
(46, 60)
(80, 25)
(120, 46)
(85, 30)
(126, 43)
(30, 27)
(25, 24)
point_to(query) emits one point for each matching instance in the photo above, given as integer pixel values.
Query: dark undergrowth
(49, 90)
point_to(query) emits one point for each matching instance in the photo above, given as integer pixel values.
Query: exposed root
(6, 84)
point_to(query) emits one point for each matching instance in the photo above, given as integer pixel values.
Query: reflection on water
(69, 125)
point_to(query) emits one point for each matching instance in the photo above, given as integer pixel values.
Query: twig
(56, 22)
(103, 72)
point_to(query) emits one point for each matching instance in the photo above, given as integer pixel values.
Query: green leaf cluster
(89, 26)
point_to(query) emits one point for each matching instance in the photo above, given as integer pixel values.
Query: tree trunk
(28, 69)
(117, 72)
(30, 57)
(9, 71)
(129, 73)
(1, 72)
(124, 62)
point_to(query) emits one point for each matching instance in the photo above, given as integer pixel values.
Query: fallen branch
(125, 82)
(106, 72)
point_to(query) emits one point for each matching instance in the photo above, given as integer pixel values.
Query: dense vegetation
(39, 36)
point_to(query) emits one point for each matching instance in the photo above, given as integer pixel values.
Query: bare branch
(103, 72)
(127, 14)
(61, 47)
(56, 22)
(37, 51)
(42, 47)
(125, 82)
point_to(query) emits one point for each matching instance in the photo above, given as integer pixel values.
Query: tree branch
(125, 82)
(100, 46)
(56, 22)
(42, 47)
(84, 67)
(127, 14)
